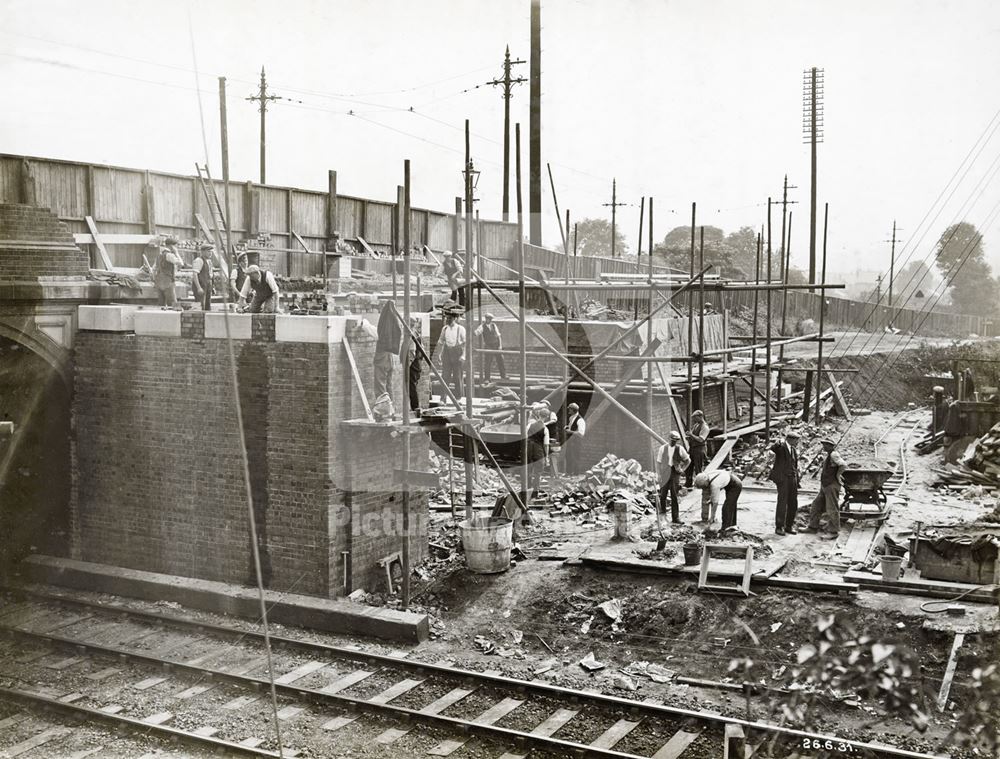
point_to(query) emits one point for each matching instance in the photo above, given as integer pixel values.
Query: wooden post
(149, 204)
(787, 250)
(649, 331)
(404, 376)
(555, 202)
(690, 340)
(521, 331)
(401, 219)
(456, 221)
(725, 371)
(767, 368)
(225, 172)
(29, 191)
(753, 354)
(638, 255)
(364, 219)
(194, 214)
(252, 210)
(291, 238)
(822, 317)
(331, 211)
(92, 192)
(470, 377)
(701, 323)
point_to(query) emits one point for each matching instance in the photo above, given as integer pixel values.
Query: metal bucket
(692, 553)
(487, 544)
(891, 566)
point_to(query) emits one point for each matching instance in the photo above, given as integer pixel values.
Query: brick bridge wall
(157, 471)
(35, 243)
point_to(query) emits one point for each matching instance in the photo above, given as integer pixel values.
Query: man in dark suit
(785, 474)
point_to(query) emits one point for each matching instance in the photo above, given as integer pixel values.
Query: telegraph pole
(507, 83)
(535, 128)
(892, 261)
(614, 205)
(812, 126)
(786, 249)
(470, 378)
(262, 97)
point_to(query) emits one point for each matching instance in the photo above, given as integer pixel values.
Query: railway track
(900, 431)
(204, 684)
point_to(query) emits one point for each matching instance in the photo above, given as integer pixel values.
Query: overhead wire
(877, 374)
(893, 356)
(929, 305)
(913, 242)
(244, 456)
(347, 98)
(977, 147)
(967, 206)
(185, 69)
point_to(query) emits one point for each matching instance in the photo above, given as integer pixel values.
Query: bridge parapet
(157, 466)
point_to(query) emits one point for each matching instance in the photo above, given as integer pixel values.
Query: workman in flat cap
(203, 272)
(671, 462)
(449, 267)
(168, 261)
(266, 294)
(697, 441)
(238, 276)
(785, 475)
(831, 482)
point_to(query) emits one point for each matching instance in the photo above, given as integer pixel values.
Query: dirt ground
(540, 618)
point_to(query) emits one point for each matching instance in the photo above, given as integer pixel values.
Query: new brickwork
(157, 468)
(34, 243)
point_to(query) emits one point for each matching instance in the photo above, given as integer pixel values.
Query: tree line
(958, 278)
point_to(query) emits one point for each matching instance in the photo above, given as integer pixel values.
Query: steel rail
(118, 720)
(498, 681)
(513, 737)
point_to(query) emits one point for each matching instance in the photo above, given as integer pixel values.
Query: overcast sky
(698, 100)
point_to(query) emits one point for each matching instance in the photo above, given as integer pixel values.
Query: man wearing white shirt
(575, 430)
(453, 353)
(671, 462)
(266, 293)
(712, 485)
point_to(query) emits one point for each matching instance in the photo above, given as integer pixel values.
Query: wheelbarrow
(863, 494)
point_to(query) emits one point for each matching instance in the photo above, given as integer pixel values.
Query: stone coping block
(158, 322)
(329, 615)
(107, 318)
(240, 325)
(309, 329)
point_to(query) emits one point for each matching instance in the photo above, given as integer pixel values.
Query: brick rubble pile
(609, 480)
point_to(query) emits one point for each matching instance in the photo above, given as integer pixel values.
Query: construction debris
(980, 466)
(611, 480)
(986, 456)
(654, 672)
(590, 663)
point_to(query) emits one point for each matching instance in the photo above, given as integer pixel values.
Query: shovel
(662, 542)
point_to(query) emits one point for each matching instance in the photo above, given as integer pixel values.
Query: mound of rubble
(980, 466)
(610, 480)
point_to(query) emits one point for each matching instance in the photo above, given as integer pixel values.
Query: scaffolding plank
(949, 672)
(357, 380)
(101, 249)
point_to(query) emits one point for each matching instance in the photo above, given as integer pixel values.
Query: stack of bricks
(157, 463)
(34, 243)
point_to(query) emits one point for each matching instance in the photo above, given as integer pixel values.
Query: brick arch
(31, 337)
